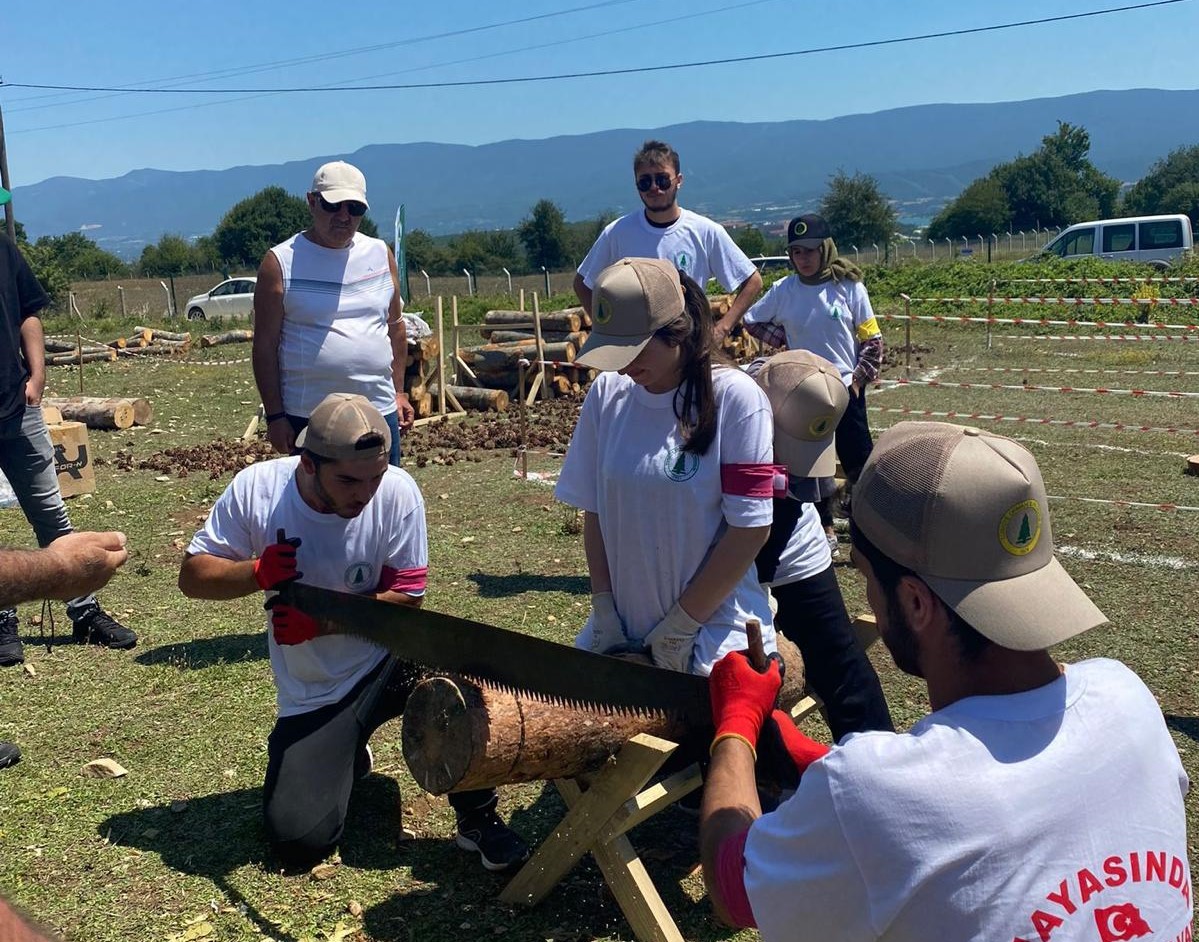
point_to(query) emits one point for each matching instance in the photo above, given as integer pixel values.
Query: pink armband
(408, 581)
(753, 480)
(730, 881)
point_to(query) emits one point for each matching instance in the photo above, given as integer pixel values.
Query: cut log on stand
(143, 412)
(475, 399)
(578, 337)
(154, 334)
(460, 735)
(559, 320)
(66, 359)
(97, 413)
(495, 358)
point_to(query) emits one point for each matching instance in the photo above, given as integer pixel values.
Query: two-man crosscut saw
(531, 666)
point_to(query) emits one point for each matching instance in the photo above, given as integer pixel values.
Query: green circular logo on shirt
(680, 465)
(359, 577)
(683, 261)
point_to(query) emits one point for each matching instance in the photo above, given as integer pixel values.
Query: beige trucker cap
(631, 300)
(338, 180)
(967, 512)
(808, 399)
(345, 427)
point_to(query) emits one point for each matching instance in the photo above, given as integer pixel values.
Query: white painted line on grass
(1126, 559)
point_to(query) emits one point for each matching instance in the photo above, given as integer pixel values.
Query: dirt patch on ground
(549, 427)
(215, 458)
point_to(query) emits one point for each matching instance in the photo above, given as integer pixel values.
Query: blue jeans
(27, 460)
(298, 422)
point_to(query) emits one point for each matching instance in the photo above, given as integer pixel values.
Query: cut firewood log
(422, 405)
(493, 358)
(475, 399)
(577, 337)
(97, 413)
(424, 349)
(50, 414)
(558, 320)
(559, 385)
(139, 338)
(229, 336)
(143, 412)
(93, 356)
(461, 735)
(157, 349)
(53, 345)
(155, 334)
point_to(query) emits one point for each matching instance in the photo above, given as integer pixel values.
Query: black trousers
(812, 614)
(310, 765)
(854, 443)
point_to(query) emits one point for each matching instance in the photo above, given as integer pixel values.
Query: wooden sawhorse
(602, 808)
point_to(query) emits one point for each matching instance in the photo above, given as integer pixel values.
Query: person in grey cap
(327, 315)
(1038, 801)
(339, 516)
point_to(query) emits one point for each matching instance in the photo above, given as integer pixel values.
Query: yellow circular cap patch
(602, 313)
(800, 228)
(820, 427)
(1020, 528)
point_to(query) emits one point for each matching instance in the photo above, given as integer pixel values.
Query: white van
(1156, 240)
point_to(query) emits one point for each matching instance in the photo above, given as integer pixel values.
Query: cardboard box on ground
(72, 460)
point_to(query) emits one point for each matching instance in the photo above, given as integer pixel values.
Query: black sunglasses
(663, 181)
(352, 206)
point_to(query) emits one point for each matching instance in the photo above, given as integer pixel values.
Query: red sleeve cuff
(754, 480)
(408, 581)
(730, 881)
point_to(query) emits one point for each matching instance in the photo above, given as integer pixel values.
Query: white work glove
(673, 639)
(770, 599)
(607, 630)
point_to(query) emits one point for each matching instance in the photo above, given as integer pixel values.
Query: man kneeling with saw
(339, 517)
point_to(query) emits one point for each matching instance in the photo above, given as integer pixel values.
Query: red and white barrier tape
(1031, 420)
(1101, 281)
(1044, 369)
(1112, 338)
(1030, 388)
(1102, 302)
(1160, 505)
(1034, 322)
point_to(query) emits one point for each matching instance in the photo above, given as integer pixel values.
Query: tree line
(1054, 186)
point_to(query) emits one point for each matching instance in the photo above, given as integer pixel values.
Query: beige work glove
(607, 630)
(673, 639)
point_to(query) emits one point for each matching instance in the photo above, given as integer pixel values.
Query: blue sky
(103, 135)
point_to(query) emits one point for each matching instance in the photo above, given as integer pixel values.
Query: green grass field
(175, 851)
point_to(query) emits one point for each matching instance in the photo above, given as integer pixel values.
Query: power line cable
(632, 70)
(322, 57)
(436, 65)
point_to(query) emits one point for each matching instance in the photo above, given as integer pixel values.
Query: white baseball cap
(338, 180)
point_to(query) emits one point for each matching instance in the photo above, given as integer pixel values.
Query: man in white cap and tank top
(327, 315)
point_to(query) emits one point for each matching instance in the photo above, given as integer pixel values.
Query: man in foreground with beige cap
(1037, 801)
(338, 516)
(327, 315)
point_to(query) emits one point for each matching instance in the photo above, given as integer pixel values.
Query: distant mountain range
(750, 172)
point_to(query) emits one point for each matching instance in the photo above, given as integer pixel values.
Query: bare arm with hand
(13, 928)
(73, 565)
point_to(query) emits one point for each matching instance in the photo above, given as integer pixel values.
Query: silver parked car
(232, 298)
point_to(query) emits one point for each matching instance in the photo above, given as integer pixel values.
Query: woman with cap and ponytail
(671, 464)
(824, 308)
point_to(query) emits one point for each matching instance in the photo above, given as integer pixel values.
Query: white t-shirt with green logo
(334, 553)
(693, 243)
(661, 509)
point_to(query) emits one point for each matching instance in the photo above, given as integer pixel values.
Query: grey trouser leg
(27, 460)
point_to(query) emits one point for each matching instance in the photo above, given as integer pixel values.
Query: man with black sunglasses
(327, 315)
(691, 242)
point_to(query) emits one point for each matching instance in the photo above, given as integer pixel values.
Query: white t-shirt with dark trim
(830, 319)
(1054, 815)
(334, 553)
(693, 243)
(661, 509)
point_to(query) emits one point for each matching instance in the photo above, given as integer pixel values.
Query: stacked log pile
(420, 369)
(510, 336)
(144, 341)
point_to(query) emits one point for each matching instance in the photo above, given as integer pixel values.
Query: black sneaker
(96, 626)
(11, 651)
(500, 847)
(9, 754)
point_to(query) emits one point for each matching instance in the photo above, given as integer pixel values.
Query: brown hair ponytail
(695, 397)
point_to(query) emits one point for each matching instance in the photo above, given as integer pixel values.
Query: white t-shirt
(693, 243)
(830, 319)
(807, 551)
(1055, 814)
(334, 335)
(335, 553)
(661, 509)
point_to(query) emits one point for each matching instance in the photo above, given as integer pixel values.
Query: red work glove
(742, 698)
(277, 564)
(802, 750)
(289, 624)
